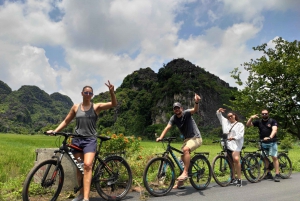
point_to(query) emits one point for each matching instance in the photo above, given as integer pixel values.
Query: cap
(176, 105)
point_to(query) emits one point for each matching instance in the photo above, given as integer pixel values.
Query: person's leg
(79, 174)
(87, 178)
(188, 146)
(273, 153)
(236, 163)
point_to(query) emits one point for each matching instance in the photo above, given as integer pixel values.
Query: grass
(17, 157)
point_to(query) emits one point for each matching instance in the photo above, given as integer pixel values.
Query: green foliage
(121, 144)
(273, 83)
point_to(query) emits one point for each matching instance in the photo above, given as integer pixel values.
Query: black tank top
(86, 122)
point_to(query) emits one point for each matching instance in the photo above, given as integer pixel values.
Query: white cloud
(110, 39)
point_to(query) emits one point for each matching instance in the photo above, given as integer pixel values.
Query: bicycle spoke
(44, 183)
(221, 170)
(159, 177)
(285, 166)
(200, 172)
(114, 179)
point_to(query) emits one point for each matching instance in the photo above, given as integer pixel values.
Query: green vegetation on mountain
(145, 101)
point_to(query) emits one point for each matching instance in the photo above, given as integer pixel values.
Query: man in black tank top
(267, 132)
(86, 114)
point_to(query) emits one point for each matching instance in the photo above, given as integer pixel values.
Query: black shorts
(86, 144)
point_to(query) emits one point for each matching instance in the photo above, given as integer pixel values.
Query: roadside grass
(17, 156)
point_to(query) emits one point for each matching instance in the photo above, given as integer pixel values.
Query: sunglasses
(88, 93)
(264, 114)
(176, 108)
(229, 117)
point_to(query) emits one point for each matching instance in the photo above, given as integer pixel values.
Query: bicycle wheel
(285, 166)
(113, 178)
(159, 176)
(251, 168)
(262, 165)
(44, 182)
(200, 172)
(221, 170)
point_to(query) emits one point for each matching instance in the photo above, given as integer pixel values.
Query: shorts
(192, 143)
(86, 144)
(270, 149)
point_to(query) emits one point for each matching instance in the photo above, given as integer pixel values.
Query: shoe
(268, 176)
(277, 178)
(239, 183)
(78, 198)
(233, 181)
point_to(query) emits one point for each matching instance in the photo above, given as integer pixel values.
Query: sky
(64, 45)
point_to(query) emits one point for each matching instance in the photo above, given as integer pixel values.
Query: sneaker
(233, 181)
(239, 183)
(277, 178)
(78, 198)
(268, 176)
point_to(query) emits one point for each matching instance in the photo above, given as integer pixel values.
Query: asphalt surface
(285, 190)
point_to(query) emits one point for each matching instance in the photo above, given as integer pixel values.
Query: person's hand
(197, 98)
(158, 139)
(50, 132)
(110, 86)
(221, 110)
(254, 116)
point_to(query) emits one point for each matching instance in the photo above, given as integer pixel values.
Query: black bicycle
(159, 174)
(222, 165)
(285, 164)
(112, 175)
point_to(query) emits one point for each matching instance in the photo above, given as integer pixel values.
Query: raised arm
(196, 105)
(108, 105)
(249, 122)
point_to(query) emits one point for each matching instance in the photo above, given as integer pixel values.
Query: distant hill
(29, 109)
(145, 101)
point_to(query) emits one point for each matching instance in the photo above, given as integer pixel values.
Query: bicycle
(159, 174)
(112, 175)
(285, 164)
(222, 165)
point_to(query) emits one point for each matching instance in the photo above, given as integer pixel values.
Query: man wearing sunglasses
(267, 132)
(192, 138)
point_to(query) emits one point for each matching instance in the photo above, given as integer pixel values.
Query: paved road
(285, 190)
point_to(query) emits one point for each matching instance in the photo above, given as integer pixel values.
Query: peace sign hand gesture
(110, 86)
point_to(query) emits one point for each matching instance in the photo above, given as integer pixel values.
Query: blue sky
(61, 46)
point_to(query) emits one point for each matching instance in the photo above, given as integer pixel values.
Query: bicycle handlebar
(63, 134)
(168, 139)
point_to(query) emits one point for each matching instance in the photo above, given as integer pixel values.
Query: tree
(273, 83)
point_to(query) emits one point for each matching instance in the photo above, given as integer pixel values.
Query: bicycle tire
(263, 166)
(285, 166)
(159, 176)
(222, 170)
(36, 189)
(251, 168)
(113, 179)
(199, 172)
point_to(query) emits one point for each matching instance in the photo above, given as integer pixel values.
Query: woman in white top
(235, 131)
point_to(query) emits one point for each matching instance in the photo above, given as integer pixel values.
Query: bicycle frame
(65, 148)
(170, 150)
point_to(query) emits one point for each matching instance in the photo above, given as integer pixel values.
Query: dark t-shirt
(186, 124)
(265, 128)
